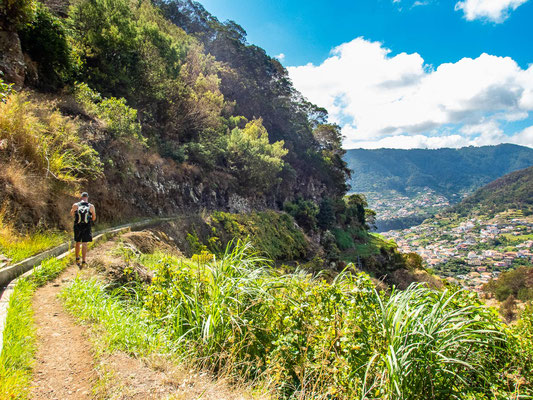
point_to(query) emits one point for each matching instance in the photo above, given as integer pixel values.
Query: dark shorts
(83, 233)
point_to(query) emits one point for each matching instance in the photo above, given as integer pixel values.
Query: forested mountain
(448, 172)
(512, 191)
(166, 93)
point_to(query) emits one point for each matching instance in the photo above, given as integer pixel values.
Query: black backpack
(83, 214)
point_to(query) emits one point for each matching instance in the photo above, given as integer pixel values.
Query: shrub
(326, 215)
(5, 90)
(304, 212)
(14, 14)
(252, 159)
(437, 344)
(47, 141)
(45, 40)
(120, 119)
(311, 339)
(517, 282)
(344, 239)
(272, 234)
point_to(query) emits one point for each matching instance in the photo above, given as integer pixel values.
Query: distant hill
(512, 191)
(446, 171)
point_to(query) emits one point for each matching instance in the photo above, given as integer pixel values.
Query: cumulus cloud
(379, 98)
(280, 56)
(493, 10)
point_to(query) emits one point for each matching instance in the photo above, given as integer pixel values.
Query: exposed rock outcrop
(12, 64)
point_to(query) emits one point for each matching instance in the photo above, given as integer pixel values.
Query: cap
(85, 194)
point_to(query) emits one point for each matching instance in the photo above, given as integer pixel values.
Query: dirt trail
(64, 362)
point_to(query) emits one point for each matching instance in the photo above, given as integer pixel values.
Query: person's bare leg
(77, 247)
(83, 252)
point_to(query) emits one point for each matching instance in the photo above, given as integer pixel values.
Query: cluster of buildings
(473, 251)
(395, 205)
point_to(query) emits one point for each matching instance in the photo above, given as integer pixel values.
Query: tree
(326, 215)
(304, 212)
(413, 261)
(508, 308)
(251, 157)
(45, 40)
(355, 210)
(329, 138)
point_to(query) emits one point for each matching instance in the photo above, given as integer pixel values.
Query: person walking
(84, 215)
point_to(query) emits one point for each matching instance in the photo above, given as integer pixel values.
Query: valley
(470, 251)
(405, 187)
(395, 210)
(234, 253)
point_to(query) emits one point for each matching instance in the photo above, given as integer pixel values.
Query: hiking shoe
(78, 259)
(83, 265)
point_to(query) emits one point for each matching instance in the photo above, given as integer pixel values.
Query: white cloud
(493, 10)
(280, 56)
(376, 96)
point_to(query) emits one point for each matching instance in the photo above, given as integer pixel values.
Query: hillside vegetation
(298, 336)
(449, 172)
(513, 191)
(132, 95)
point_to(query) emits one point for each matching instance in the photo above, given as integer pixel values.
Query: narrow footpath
(64, 362)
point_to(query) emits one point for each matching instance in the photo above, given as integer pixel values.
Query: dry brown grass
(18, 182)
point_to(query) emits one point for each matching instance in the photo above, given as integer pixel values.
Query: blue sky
(430, 50)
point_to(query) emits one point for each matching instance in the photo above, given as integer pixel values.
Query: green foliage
(523, 332)
(304, 212)
(19, 345)
(252, 159)
(47, 141)
(125, 324)
(5, 90)
(45, 40)
(413, 261)
(272, 234)
(14, 14)
(326, 216)
(355, 209)
(344, 239)
(258, 85)
(329, 244)
(512, 191)
(17, 247)
(105, 37)
(517, 283)
(120, 119)
(440, 345)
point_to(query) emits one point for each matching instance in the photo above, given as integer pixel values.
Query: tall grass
(434, 344)
(47, 141)
(19, 347)
(308, 338)
(17, 357)
(126, 326)
(17, 247)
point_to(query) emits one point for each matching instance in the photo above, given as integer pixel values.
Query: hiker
(84, 215)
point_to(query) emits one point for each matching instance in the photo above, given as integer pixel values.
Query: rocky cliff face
(12, 63)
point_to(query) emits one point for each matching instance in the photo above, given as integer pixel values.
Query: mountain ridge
(405, 170)
(511, 191)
